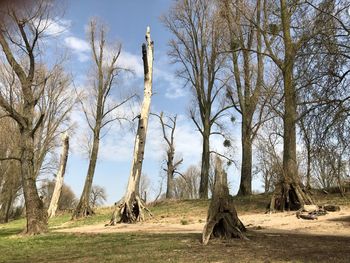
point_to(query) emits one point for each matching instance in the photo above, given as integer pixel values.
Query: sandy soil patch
(334, 223)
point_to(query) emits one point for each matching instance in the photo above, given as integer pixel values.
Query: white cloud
(128, 60)
(175, 88)
(77, 44)
(131, 61)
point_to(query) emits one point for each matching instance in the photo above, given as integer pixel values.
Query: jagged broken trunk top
(131, 207)
(222, 220)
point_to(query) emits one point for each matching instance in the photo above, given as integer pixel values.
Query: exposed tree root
(289, 197)
(129, 212)
(82, 211)
(223, 221)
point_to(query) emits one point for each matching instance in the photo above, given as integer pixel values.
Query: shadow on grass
(139, 247)
(10, 231)
(285, 247)
(342, 219)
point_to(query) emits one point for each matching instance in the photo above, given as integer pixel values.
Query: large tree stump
(222, 219)
(290, 196)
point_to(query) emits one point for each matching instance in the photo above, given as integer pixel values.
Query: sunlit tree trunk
(131, 206)
(59, 178)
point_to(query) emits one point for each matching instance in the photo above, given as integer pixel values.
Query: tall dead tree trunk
(131, 206)
(59, 177)
(222, 219)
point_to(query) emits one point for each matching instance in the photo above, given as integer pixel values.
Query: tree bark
(83, 208)
(241, 34)
(35, 212)
(171, 163)
(170, 174)
(245, 187)
(204, 182)
(291, 194)
(222, 219)
(131, 206)
(59, 178)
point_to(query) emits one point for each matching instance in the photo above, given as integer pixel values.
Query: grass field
(142, 247)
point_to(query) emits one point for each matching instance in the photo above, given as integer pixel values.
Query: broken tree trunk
(59, 178)
(222, 219)
(131, 206)
(290, 196)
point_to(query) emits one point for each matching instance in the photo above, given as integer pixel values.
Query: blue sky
(127, 22)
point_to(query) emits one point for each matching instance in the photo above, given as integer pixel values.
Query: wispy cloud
(80, 47)
(77, 44)
(132, 62)
(174, 86)
(53, 27)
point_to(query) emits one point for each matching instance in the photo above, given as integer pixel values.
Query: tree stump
(290, 196)
(222, 219)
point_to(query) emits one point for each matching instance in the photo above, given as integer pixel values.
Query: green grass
(141, 247)
(54, 247)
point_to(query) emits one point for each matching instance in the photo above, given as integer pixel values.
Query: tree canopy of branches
(106, 73)
(171, 164)
(98, 196)
(196, 48)
(246, 95)
(27, 84)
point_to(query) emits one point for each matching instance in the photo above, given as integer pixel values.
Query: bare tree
(106, 73)
(67, 200)
(131, 205)
(55, 104)
(246, 94)
(196, 48)
(10, 177)
(186, 186)
(268, 157)
(284, 39)
(98, 195)
(145, 184)
(171, 163)
(20, 35)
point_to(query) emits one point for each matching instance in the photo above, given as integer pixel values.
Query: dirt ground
(332, 224)
(279, 237)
